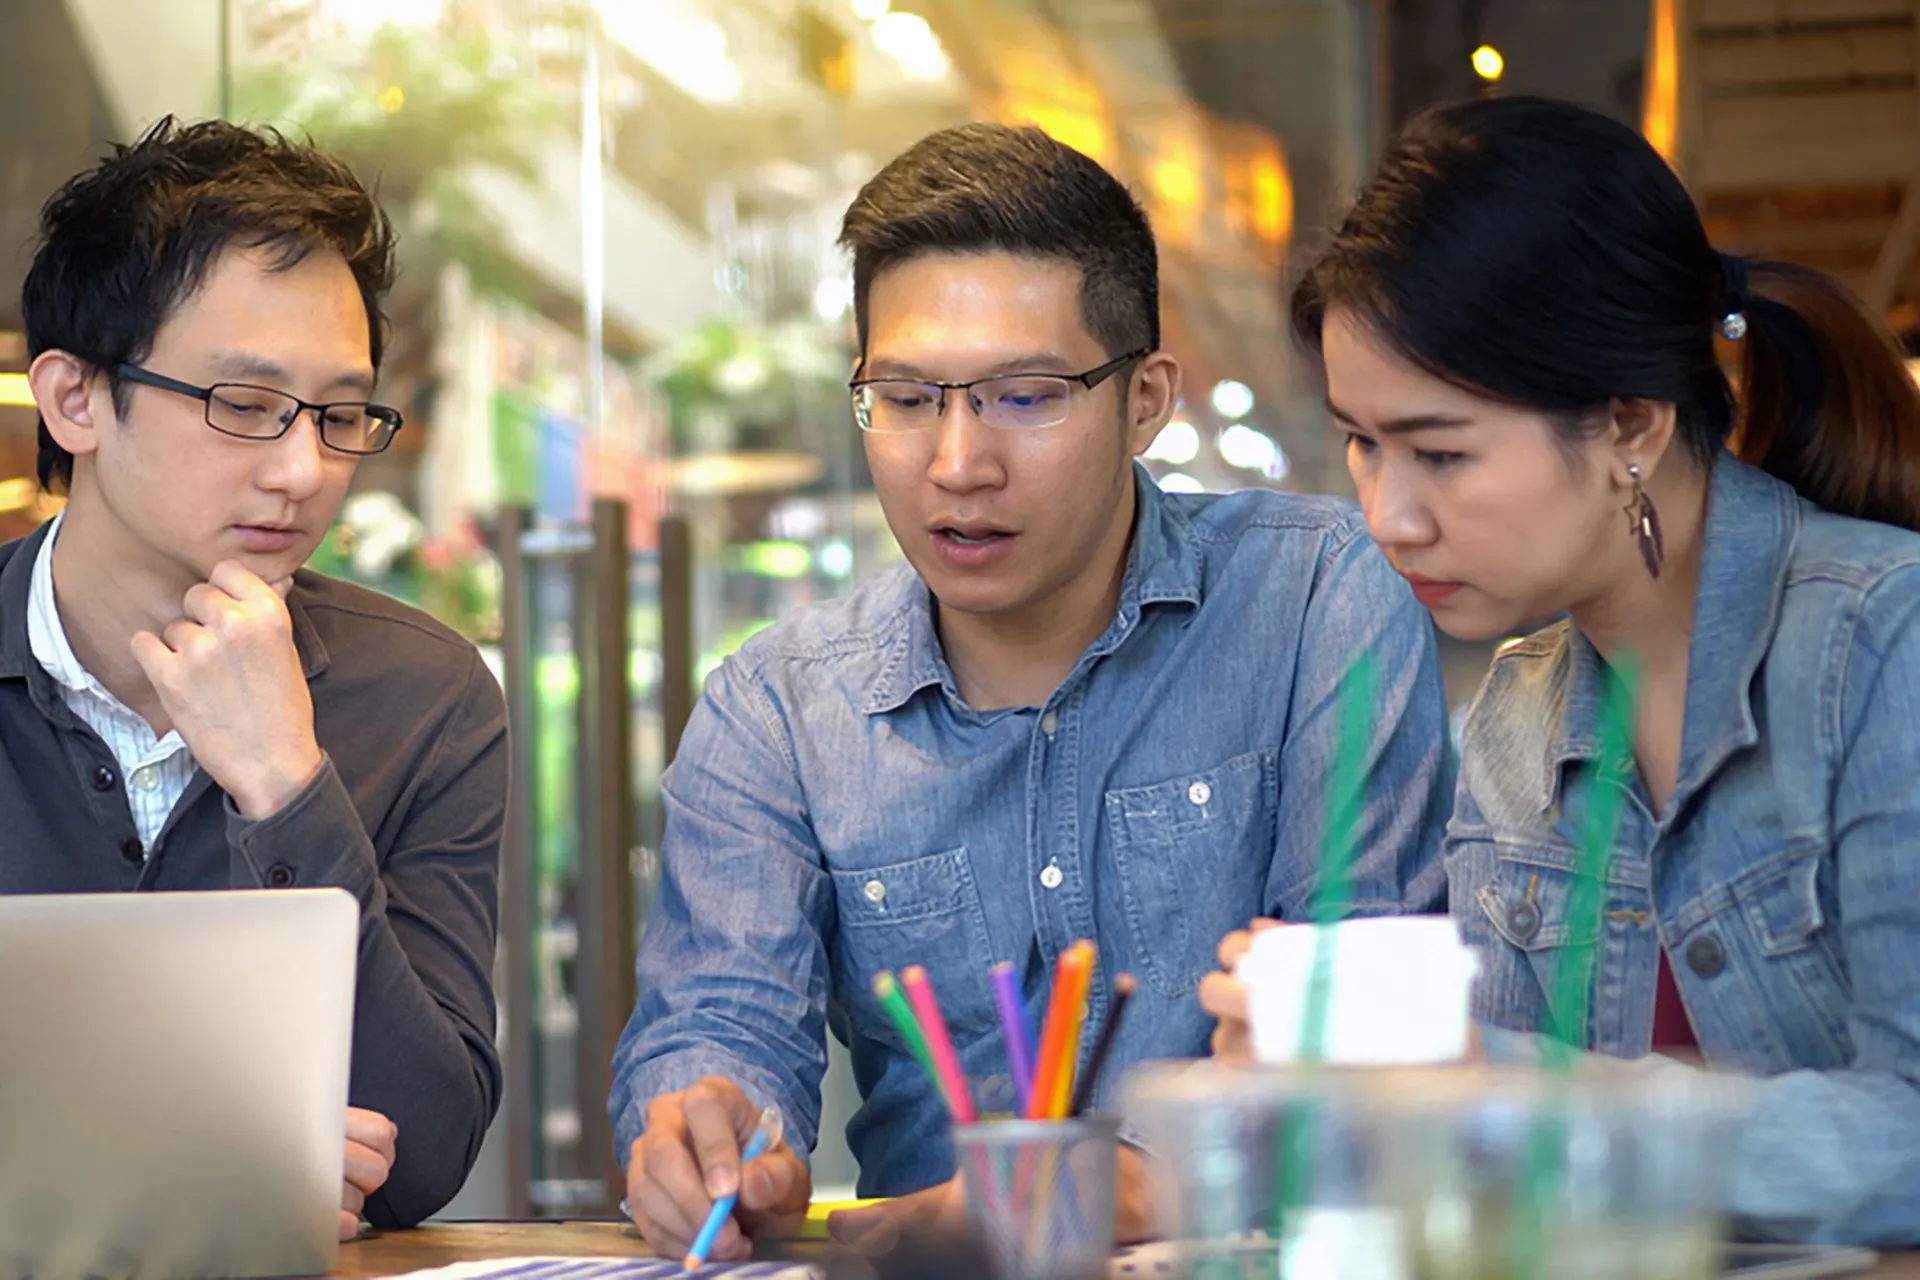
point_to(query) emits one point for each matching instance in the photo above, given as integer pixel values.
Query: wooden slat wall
(1710, 15)
(1800, 124)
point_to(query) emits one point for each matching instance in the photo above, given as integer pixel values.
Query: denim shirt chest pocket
(1193, 854)
(925, 911)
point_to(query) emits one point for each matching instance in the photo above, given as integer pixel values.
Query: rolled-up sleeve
(733, 969)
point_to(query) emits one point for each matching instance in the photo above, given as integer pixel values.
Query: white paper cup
(1399, 991)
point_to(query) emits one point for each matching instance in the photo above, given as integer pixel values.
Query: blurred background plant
(415, 113)
(737, 385)
(377, 542)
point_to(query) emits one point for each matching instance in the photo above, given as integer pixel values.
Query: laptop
(173, 1082)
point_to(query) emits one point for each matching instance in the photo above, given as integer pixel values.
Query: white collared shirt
(156, 770)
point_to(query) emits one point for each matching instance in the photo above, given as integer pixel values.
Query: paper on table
(1400, 990)
(542, 1268)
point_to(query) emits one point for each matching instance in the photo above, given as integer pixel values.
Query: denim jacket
(837, 809)
(1783, 878)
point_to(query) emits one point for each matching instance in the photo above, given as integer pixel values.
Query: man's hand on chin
(230, 680)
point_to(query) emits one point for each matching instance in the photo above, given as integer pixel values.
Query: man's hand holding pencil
(690, 1157)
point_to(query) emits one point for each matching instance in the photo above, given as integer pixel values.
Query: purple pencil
(1018, 1031)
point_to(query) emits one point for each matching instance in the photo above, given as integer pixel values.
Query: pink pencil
(939, 1044)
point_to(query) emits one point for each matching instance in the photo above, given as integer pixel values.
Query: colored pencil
(1070, 1054)
(886, 989)
(1123, 988)
(1017, 1029)
(939, 1044)
(1059, 1041)
(723, 1207)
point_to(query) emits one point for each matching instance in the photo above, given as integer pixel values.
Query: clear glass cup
(1443, 1172)
(1040, 1194)
(1615, 1171)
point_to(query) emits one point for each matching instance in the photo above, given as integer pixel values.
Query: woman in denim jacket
(1519, 321)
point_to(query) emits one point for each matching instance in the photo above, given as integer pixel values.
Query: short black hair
(124, 243)
(979, 188)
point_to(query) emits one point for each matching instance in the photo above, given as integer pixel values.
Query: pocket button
(1705, 956)
(1523, 919)
(1199, 793)
(874, 891)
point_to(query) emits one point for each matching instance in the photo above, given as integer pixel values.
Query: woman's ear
(63, 389)
(1643, 432)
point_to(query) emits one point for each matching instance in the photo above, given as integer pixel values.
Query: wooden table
(387, 1253)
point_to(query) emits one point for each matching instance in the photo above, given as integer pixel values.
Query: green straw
(1332, 899)
(886, 989)
(1564, 1019)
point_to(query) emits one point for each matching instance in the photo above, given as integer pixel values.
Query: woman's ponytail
(1825, 400)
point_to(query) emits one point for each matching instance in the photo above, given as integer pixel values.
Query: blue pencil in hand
(762, 1138)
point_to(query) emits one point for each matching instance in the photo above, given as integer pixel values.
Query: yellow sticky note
(815, 1227)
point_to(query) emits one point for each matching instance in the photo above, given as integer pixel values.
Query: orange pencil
(1070, 1053)
(1060, 1040)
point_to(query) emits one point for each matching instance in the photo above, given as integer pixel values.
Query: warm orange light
(1040, 87)
(1174, 179)
(1659, 113)
(1084, 131)
(1272, 199)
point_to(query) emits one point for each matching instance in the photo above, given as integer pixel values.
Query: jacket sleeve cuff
(315, 840)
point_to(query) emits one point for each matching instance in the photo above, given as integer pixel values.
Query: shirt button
(1048, 723)
(279, 876)
(1199, 793)
(103, 779)
(875, 892)
(1051, 877)
(132, 850)
(1705, 956)
(147, 779)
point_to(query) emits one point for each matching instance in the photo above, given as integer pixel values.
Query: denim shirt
(1783, 877)
(837, 809)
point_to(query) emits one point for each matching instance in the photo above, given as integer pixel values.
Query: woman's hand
(1225, 997)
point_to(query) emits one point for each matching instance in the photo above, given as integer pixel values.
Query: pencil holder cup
(1040, 1195)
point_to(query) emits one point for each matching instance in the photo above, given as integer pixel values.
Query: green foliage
(413, 113)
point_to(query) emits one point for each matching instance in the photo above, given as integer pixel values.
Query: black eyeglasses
(1005, 402)
(262, 413)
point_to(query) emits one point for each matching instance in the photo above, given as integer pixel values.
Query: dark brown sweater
(406, 815)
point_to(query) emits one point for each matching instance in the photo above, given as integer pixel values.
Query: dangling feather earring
(1644, 522)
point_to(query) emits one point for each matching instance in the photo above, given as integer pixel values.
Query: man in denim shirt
(1082, 709)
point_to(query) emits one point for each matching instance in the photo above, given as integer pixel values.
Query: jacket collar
(1751, 525)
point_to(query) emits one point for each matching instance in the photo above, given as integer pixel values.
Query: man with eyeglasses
(182, 706)
(1082, 709)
